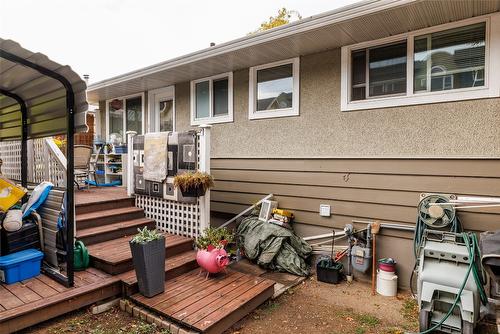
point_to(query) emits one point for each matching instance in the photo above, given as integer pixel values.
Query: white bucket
(387, 283)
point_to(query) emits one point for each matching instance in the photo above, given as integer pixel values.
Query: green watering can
(81, 256)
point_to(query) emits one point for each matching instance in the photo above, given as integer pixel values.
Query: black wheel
(424, 320)
(467, 327)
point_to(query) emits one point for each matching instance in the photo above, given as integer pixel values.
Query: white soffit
(363, 21)
(45, 97)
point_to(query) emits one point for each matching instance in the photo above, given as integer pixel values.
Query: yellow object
(282, 212)
(10, 194)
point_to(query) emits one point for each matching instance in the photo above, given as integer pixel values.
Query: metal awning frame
(67, 280)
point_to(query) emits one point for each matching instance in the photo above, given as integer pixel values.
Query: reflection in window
(220, 97)
(450, 59)
(134, 114)
(167, 115)
(202, 91)
(275, 87)
(385, 71)
(116, 119)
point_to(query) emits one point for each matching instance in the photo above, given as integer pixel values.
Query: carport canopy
(44, 88)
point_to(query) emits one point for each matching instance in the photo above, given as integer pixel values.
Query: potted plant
(193, 184)
(212, 255)
(148, 256)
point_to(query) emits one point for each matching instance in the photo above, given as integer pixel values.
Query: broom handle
(373, 264)
(333, 242)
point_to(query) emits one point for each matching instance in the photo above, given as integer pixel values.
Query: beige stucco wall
(467, 128)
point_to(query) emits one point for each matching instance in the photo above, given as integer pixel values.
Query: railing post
(205, 167)
(130, 162)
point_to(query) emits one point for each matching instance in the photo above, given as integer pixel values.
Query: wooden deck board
(118, 250)
(29, 302)
(209, 305)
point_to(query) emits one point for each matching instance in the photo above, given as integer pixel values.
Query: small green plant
(190, 180)
(144, 236)
(367, 320)
(217, 238)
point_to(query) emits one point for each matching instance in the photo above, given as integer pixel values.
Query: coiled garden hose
(473, 249)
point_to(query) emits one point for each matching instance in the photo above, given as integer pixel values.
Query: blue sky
(105, 38)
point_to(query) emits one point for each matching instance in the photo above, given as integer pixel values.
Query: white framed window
(212, 99)
(450, 62)
(274, 89)
(125, 113)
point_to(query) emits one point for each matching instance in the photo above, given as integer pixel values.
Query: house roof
(40, 88)
(362, 21)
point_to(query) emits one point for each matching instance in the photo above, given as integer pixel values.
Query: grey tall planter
(149, 264)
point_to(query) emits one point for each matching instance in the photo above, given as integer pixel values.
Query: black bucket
(329, 271)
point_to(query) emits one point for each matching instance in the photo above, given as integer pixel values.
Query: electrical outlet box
(324, 210)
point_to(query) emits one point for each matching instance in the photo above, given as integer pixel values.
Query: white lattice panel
(170, 216)
(42, 164)
(10, 153)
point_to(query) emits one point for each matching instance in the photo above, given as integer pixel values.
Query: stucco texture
(456, 129)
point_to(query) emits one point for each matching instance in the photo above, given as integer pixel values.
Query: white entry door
(162, 109)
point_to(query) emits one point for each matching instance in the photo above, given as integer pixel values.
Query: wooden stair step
(114, 256)
(99, 218)
(105, 204)
(209, 305)
(93, 235)
(174, 267)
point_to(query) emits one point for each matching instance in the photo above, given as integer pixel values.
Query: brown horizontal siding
(418, 166)
(384, 189)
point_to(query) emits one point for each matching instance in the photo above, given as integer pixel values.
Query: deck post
(130, 162)
(204, 166)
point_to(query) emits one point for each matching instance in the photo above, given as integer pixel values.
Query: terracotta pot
(213, 261)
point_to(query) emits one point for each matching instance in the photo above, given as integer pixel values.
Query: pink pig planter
(212, 260)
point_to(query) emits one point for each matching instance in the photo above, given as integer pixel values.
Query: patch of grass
(359, 330)
(271, 306)
(409, 311)
(367, 320)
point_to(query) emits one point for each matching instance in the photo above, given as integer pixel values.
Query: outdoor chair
(82, 154)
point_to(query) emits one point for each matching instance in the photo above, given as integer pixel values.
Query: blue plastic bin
(21, 265)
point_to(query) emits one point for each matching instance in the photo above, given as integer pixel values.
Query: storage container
(19, 266)
(26, 238)
(121, 149)
(329, 271)
(387, 283)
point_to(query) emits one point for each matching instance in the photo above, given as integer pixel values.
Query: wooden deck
(209, 305)
(106, 219)
(30, 302)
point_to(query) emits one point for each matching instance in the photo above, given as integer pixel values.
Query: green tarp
(273, 246)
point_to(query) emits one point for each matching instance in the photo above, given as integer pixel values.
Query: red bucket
(388, 266)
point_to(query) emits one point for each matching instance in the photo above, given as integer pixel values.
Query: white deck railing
(46, 162)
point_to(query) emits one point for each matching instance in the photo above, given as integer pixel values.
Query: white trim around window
(124, 98)
(252, 91)
(212, 119)
(167, 93)
(490, 89)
